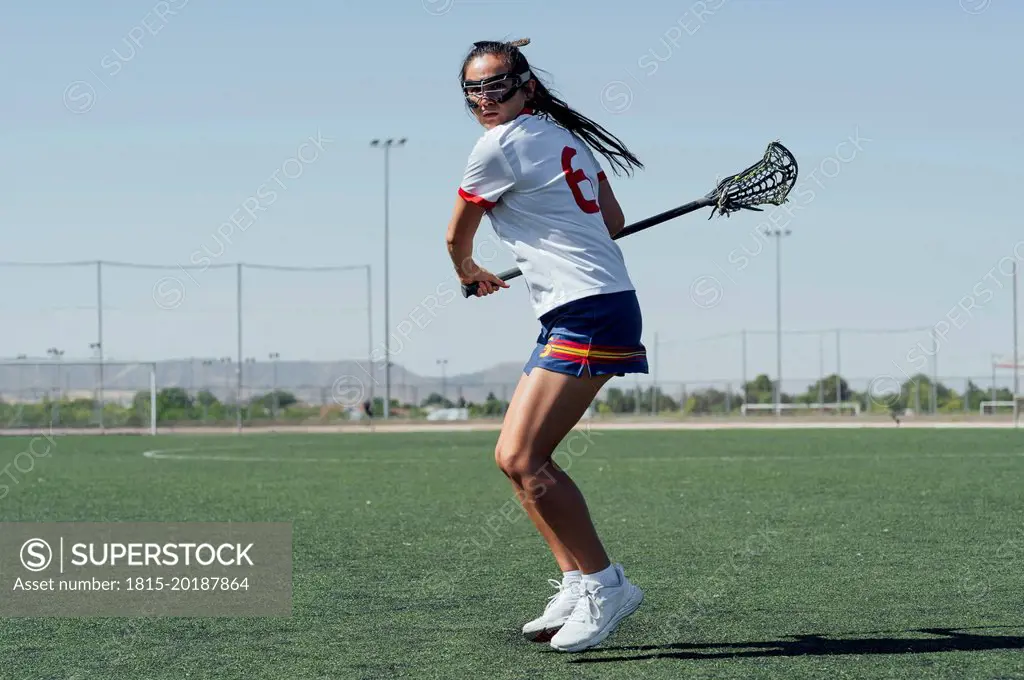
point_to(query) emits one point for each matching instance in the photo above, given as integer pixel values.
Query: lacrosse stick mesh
(768, 181)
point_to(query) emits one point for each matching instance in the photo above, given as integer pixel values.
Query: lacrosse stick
(767, 182)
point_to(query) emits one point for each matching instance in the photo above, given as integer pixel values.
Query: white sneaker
(597, 614)
(559, 607)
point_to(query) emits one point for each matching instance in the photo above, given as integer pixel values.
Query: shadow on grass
(947, 640)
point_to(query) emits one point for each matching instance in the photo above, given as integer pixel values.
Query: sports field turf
(763, 554)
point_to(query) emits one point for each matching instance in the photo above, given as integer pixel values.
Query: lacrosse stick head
(767, 182)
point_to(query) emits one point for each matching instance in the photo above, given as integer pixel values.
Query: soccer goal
(76, 395)
(990, 407)
(1013, 404)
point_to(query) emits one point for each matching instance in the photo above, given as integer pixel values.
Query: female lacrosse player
(534, 175)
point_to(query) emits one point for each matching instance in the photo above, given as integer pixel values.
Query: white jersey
(538, 182)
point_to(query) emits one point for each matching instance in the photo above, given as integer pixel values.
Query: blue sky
(135, 129)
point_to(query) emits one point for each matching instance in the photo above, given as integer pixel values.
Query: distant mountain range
(314, 382)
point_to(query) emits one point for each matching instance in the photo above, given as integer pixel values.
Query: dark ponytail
(546, 102)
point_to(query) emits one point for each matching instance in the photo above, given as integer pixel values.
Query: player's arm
(461, 229)
(487, 177)
(611, 211)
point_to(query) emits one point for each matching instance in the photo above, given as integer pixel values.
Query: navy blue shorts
(598, 334)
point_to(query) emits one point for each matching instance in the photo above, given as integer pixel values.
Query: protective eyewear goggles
(499, 88)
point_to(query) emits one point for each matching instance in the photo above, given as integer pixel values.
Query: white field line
(161, 455)
(752, 424)
(203, 455)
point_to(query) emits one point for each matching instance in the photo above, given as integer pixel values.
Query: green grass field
(763, 554)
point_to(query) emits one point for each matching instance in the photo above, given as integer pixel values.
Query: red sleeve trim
(473, 198)
(601, 177)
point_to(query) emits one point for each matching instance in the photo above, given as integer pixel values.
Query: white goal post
(1016, 398)
(832, 406)
(990, 406)
(72, 395)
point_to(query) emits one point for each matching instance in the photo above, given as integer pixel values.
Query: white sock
(607, 577)
(571, 576)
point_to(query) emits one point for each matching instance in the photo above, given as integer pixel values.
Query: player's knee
(505, 457)
(499, 455)
(519, 462)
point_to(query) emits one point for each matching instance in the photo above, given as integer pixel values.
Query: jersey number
(574, 178)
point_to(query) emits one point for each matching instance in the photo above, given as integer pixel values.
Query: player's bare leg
(566, 562)
(569, 588)
(548, 406)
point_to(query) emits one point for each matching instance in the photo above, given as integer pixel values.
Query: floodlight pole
(743, 366)
(99, 333)
(369, 328)
(992, 392)
(1016, 359)
(57, 354)
(839, 374)
(152, 399)
(778, 234)
(386, 145)
(98, 354)
(274, 356)
(227, 379)
(654, 379)
(238, 374)
(821, 371)
(251, 361)
(21, 379)
(443, 363)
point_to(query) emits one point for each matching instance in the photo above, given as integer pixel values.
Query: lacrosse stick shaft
(469, 289)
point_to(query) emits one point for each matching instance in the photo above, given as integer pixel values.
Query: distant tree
(435, 399)
(617, 401)
(760, 390)
(711, 400)
(975, 395)
(916, 393)
(704, 401)
(284, 399)
(826, 388)
(1004, 394)
(172, 404)
(140, 401)
(493, 406)
(173, 398)
(206, 398)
